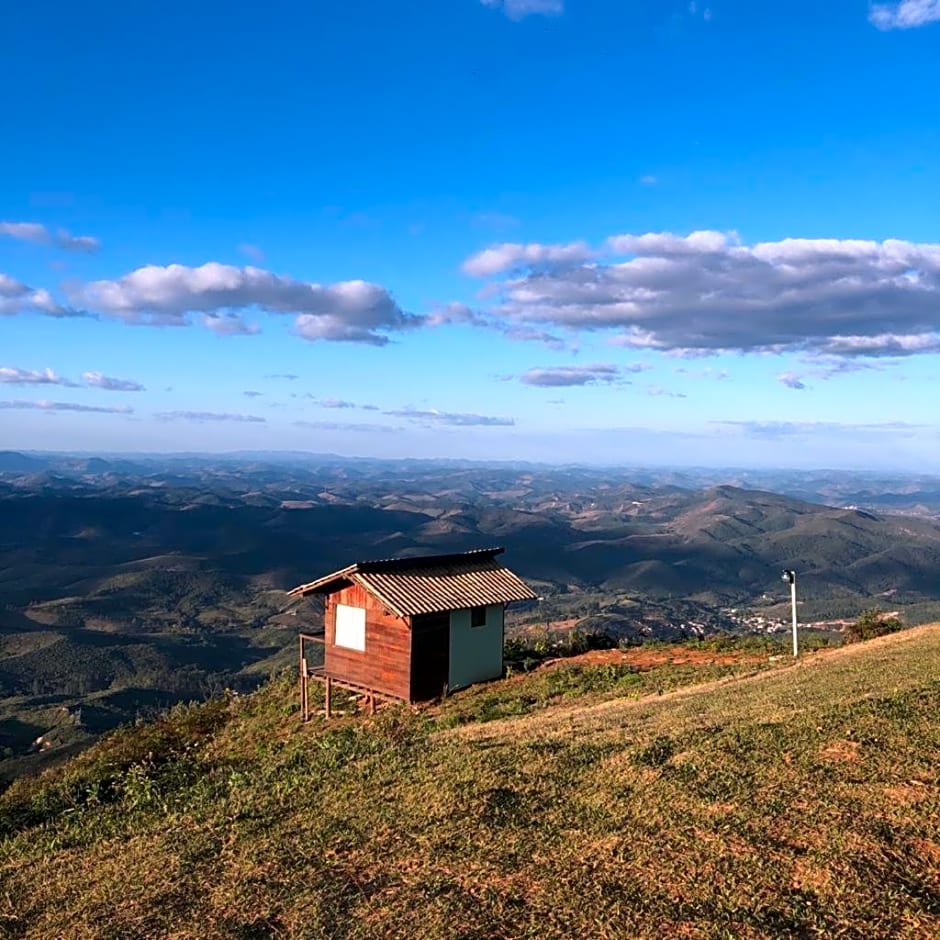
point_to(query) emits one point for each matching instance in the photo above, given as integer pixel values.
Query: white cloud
(517, 9)
(571, 376)
(657, 391)
(350, 311)
(209, 416)
(40, 235)
(649, 180)
(708, 292)
(97, 380)
(14, 376)
(16, 297)
(434, 417)
(884, 344)
(339, 403)
(228, 324)
(462, 315)
(907, 14)
(665, 243)
(792, 380)
(83, 243)
(346, 426)
(336, 403)
(529, 334)
(632, 367)
(65, 406)
(511, 256)
(25, 232)
(456, 313)
(828, 367)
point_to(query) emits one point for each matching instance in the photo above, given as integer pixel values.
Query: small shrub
(872, 623)
(526, 653)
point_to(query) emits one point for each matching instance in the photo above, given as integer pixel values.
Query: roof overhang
(325, 585)
(428, 583)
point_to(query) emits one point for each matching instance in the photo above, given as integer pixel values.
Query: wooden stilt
(329, 689)
(306, 688)
(303, 678)
(371, 704)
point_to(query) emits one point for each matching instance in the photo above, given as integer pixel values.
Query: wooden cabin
(414, 628)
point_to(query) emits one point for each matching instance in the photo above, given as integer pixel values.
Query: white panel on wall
(350, 627)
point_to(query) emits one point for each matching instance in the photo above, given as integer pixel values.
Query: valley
(128, 584)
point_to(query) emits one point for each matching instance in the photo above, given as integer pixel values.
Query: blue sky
(619, 232)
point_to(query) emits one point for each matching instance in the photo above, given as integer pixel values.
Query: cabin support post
(303, 678)
(306, 690)
(328, 696)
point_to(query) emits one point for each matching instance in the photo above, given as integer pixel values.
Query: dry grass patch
(726, 810)
(849, 751)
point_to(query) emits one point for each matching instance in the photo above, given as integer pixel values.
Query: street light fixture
(790, 577)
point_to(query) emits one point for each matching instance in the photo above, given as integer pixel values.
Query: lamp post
(790, 576)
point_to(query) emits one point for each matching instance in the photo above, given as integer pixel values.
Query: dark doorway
(430, 656)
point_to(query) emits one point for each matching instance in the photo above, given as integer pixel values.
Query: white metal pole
(796, 647)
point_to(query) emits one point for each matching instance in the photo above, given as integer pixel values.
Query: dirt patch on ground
(810, 877)
(842, 752)
(928, 850)
(910, 793)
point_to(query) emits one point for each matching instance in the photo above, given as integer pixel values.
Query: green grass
(576, 682)
(794, 801)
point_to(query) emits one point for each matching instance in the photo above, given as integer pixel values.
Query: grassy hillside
(667, 792)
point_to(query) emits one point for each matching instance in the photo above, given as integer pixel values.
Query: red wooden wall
(386, 663)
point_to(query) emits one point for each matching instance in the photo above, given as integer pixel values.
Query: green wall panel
(476, 653)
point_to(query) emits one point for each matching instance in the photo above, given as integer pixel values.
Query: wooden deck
(310, 673)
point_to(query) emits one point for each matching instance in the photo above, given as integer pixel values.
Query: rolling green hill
(129, 586)
(619, 798)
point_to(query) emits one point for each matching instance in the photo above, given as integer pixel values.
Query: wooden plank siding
(386, 663)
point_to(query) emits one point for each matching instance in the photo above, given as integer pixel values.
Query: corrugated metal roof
(430, 584)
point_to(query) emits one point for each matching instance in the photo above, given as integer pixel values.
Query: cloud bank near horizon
(705, 293)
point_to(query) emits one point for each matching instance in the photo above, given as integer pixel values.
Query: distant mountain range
(128, 582)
